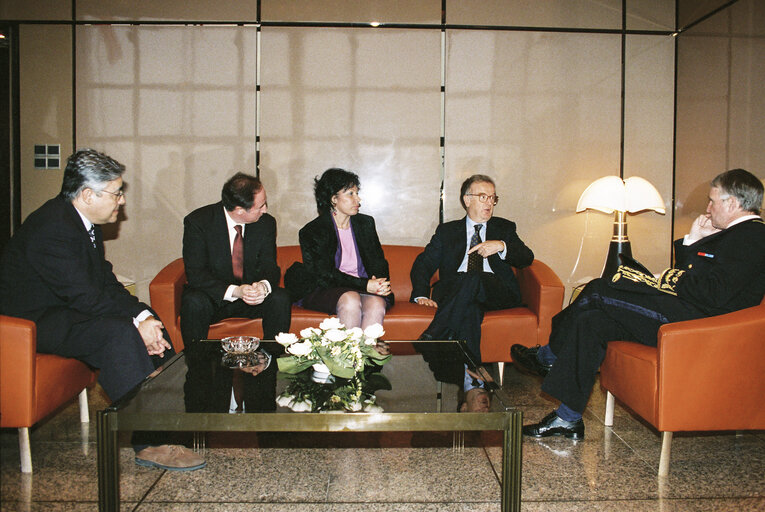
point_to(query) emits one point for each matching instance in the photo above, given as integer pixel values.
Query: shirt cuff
(229, 295)
(687, 240)
(503, 252)
(143, 315)
(267, 285)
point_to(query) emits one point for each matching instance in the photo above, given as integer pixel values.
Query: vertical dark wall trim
(257, 90)
(74, 76)
(623, 78)
(442, 147)
(16, 131)
(673, 201)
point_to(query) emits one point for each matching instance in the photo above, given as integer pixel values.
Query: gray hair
(742, 185)
(87, 168)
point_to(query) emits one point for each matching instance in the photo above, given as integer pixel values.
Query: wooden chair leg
(666, 445)
(24, 450)
(84, 415)
(609, 409)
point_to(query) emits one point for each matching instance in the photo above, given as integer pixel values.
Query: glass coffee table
(420, 390)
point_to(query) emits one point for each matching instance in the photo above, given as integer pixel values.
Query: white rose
(354, 406)
(286, 338)
(309, 331)
(355, 333)
(300, 349)
(284, 400)
(303, 406)
(335, 335)
(331, 323)
(374, 331)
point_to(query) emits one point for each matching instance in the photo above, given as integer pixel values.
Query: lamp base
(615, 248)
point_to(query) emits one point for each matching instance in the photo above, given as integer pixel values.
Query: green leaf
(292, 364)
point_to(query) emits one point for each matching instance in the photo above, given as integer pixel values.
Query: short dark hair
(87, 168)
(333, 180)
(240, 190)
(742, 185)
(476, 178)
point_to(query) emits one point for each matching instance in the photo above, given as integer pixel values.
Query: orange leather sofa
(34, 385)
(705, 374)
(541, 289)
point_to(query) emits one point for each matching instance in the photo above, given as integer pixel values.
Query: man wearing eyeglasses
(474, 257)
(54, 273)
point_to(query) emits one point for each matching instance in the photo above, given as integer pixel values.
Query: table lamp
(612, 194)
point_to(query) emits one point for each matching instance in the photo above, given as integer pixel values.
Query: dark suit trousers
(198, 312)
(110, 343)
(462, 303)
(581, 332)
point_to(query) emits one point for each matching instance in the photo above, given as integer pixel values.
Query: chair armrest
(165, 294)
(714, 366)
(18, 349)
(542, 291)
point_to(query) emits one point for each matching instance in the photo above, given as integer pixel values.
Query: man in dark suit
(229, 252)
(719, 268)
(474, 257)
(55, 274)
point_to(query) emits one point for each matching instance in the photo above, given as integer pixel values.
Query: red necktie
(237, 254)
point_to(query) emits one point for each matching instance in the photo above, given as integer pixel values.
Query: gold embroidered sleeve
(669, 279)
(637, 276)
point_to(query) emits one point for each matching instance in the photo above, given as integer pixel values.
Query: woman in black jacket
(344, 270)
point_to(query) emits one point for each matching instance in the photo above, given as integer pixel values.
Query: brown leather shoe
(172, 457)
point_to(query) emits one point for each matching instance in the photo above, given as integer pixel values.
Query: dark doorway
(10, 205)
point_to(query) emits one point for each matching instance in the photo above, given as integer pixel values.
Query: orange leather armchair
(705, 374)
(34, 385)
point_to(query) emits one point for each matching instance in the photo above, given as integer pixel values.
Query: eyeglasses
(120, 193)
(485, 197)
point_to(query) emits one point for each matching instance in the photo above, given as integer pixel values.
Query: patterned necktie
(92, 233)
(237, 254)
(475, 261)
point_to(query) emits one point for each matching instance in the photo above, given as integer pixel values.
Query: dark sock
(545, 355)
(566, 413)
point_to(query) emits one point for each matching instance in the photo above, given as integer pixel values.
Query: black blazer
(724, 271)
(446, 250)
(51, 274)
(318, 244)
(207, 251)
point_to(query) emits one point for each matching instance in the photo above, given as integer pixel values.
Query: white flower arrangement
(345, 352)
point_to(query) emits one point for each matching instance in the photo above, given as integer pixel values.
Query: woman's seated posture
(344, 270)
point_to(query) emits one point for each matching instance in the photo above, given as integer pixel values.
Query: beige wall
(46, 107)
(720, 103)
(539, 110)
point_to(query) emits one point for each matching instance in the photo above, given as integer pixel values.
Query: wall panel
(363, 100)
(540, 112)
(176, 105)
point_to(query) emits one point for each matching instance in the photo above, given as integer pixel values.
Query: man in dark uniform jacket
(55, 274)
(474, 257)
(719, 268)
(214, 292)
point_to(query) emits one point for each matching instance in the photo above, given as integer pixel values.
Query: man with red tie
(229, 252)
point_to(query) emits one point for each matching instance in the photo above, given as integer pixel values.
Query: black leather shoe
(525, 359)
(553, 425)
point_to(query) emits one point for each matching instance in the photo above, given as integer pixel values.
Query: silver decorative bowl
(240, 344)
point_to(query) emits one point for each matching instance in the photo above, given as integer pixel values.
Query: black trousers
(110, 343)
(462, 303)
(199, 311)
(600, 314)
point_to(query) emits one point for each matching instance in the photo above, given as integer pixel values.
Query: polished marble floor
(612, 469)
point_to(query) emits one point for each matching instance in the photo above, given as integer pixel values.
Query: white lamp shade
(610, 193)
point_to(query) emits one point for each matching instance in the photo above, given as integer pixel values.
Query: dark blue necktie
(475, 261)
